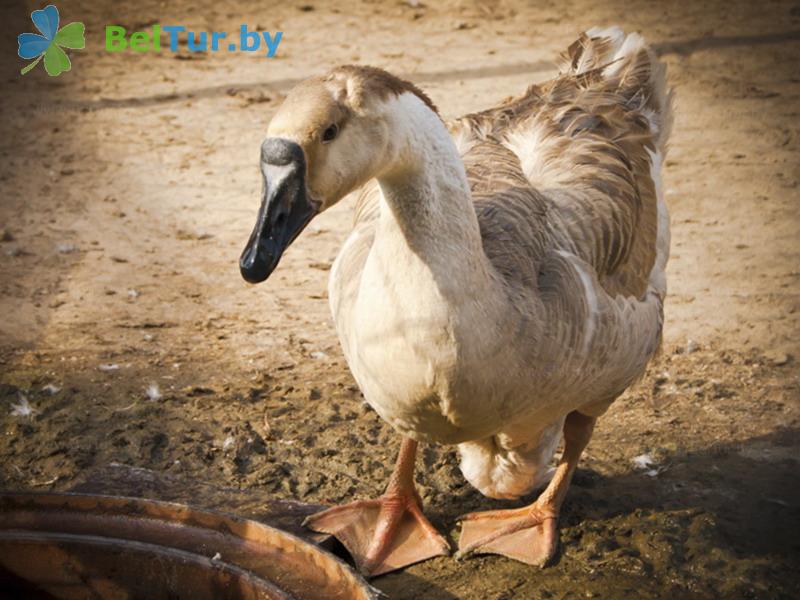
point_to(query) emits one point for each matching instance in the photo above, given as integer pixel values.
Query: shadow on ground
(723, 518)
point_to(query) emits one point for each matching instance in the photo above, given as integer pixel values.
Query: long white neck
(428, 224)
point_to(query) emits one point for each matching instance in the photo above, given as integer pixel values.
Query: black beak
(285, 208)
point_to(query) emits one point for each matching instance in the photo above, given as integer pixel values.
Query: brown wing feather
(510, 212)
(583, 140)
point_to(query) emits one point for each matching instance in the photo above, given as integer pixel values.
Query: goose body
(554, 304)
(504, 279)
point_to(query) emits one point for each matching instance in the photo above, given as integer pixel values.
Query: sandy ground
(130, 184)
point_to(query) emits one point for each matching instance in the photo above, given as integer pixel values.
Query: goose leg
(529, 534)
(389, 532)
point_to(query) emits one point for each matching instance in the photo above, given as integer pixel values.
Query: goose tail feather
(630, 68)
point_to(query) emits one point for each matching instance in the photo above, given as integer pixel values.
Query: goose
(503, 282)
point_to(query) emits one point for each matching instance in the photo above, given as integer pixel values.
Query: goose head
(331, 135)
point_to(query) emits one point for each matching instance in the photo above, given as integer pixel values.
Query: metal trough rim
(246, 547)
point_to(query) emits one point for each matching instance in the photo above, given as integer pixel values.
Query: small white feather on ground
(22, 408)
(153, 392)
(646, 463)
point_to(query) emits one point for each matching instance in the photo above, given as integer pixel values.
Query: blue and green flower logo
(49, 45)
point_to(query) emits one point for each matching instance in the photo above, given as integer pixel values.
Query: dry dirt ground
(130, 184)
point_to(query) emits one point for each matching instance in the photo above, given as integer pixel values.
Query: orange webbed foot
(382, 535)
(528, 534)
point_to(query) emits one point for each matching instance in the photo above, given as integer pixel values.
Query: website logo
(49, 45)
(249, 40)
(51, 42)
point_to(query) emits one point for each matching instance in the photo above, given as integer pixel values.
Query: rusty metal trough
(90, 546)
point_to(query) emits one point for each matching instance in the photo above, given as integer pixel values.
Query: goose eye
(330, 133)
